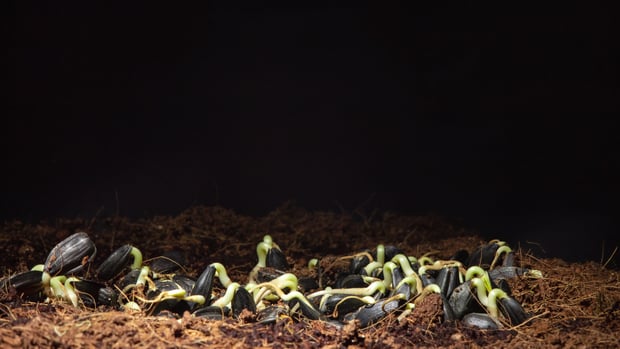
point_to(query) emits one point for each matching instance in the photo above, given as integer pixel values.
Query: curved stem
(227, 297)
(268, 240)
(137, 258)
(481, 290)
(45, 281)
(504, 249)
(289, 296)
(494, 295)
(372, 266)
(403, 262)
(430, 288)
(70, 291)
(283, 281)
(388, 268)
(477, 272)
(196, 298)
(313, 263)
(425, 260)
(324, 299)
(412, 281)
(262, 248)
(56, 286)
(222, 274)
(366, 291)
(366, 299)
(261, 251)
(143, 276)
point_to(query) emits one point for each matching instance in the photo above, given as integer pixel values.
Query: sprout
(402, 260)
(380, 260)
(481, 290)
(463, 301)
(371, 267)
(505, 249)
(295, 296)
(261, 251)
(388, 269)
(220, 271)
(492, 301)
(228, 296)
(70, 290)
(484, 255)
(367, 291)
(61, 288)
(71, 256)
(346, 304)
(313, 263)
(510, 307)
(118, 260)
(284, 281)
(269, 255)
(425, 260)
(411, 282)
(432, 288)
(440, 264)
(168, 294)
(380, 254)
(143, 277)
(476, 271)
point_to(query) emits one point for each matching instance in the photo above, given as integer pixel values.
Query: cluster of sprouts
(378, 282)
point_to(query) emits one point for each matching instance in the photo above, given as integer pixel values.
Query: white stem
(505, 249)
(56, 286)
(388, 269)
(222, 274)
(372, 266)
(412, 281)
(481, 290)
(494, 295)
(228, 296)
(380, 254)
(477, 272)
(403, 261)
(366, 291)
(313, 263)
(137, 258)
(70, 291)
(143, 276)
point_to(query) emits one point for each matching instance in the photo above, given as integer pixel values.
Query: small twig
(610, 257)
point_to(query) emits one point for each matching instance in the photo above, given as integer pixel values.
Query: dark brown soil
(574, 305)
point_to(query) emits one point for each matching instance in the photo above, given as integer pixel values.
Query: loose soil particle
(574, 305)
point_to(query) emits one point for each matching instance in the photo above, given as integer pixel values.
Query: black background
(499, 117)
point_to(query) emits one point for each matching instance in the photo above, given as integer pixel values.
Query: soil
(574, 305)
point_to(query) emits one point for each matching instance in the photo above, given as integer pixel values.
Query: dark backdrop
(495, 116)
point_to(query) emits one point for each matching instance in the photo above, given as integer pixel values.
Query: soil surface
(573, 305)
